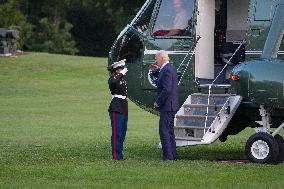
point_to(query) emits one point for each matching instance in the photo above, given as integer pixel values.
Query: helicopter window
(174, 18)
(143, 21)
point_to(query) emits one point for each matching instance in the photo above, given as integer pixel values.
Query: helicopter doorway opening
(222, 26)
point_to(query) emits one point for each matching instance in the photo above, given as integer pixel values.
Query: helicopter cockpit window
(143, 21)
(174, 18)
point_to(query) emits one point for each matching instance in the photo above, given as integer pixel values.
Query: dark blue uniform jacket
(118, 86)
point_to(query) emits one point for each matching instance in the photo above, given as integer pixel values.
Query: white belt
(119, 96)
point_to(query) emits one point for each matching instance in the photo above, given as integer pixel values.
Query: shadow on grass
(90, 152)
(211, 152)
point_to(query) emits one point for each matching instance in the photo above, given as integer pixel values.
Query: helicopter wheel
(280, 142)
(262, 148)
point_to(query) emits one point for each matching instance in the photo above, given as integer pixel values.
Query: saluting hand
(123, 71)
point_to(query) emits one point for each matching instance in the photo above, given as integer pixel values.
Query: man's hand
(154, 67)
(156, 105)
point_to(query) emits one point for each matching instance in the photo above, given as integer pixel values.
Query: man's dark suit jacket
(167, 86)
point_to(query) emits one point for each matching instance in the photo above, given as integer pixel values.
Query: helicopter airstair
(203, 118)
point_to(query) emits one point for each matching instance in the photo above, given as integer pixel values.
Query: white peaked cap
(118, 64)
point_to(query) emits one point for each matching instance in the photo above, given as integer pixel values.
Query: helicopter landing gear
(262, 148)
(280, 142)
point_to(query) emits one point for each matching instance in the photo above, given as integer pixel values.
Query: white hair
(163, 54)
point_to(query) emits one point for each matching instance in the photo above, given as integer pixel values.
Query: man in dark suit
(167, 103)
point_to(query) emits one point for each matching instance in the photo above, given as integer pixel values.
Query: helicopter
(229, 58)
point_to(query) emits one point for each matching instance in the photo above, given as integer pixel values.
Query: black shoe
(118, 159)
(168, 159)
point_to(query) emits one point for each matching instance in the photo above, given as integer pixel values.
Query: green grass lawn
(55, 133)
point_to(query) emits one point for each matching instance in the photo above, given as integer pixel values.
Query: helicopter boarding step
(201, 120)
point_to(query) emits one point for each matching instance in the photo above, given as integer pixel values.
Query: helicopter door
(204, 55)
(222, 26)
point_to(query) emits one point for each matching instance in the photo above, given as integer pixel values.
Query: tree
(122, 11)
(51, 31)
(96, 23)
(93, 29)
(12, 18)
(53, 38)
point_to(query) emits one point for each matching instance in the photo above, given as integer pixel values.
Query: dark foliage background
(82, 27)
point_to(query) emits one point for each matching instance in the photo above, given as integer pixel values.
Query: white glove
(123, 72)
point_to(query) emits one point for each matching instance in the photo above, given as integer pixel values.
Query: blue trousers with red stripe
(119, 128)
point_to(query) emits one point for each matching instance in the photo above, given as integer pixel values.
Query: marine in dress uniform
(118, 108)
(167, 103)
